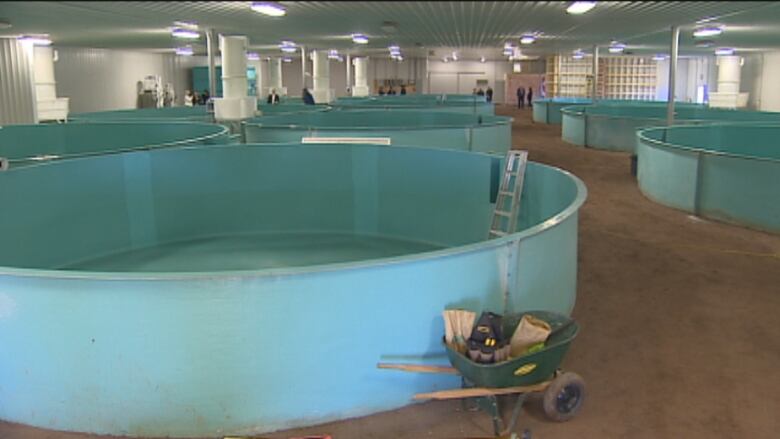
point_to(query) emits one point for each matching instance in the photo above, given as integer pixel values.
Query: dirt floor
(680, 323)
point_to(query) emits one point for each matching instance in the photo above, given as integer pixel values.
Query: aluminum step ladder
(508, 200)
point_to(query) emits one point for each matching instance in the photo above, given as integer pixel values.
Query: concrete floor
(680, 323)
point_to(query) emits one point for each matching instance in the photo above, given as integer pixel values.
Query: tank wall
(20, 142)
(573, 127)
(384, 191)
(712, 181)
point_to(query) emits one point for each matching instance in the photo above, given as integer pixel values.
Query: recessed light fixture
(287, 47)
(659, 57)
(333, 54)
(285, 59)
(269, 8)
(508, 45)
(576, 8)
(184, 51)
(616, 47)
(187, 34)
(394, 48)
(482, 59)
(578, 54)
(35, 40)
(359, 39)
(724, 51)
(527, 39)
(707, 31)
(253, 56)
(454, 56)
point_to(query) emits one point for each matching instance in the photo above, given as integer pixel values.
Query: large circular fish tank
(198, 113)
(613, 127)
(465, 132)
(726, 172)
(549, 110)
(468, 104)
(239, 289)
(22, 145)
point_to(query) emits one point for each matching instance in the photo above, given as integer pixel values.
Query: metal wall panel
(17, 93)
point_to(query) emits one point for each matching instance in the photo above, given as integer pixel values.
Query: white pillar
(303, 67)
(321, 78)
(349, 74)
(275, 77)
(361, 77)
(234, 104)
(211, 61)
(49, 106)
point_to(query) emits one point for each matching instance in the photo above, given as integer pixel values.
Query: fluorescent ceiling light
(508, 45)
(527, 39)
(580, 7)
(253, 56)
(359, 39)
(269, 8)
(36, 40)
(578, 56)
(454, 56)
(616, 47)
(724, 51)
(286, 59)
(482, 59)
(393, 48)
(705, 43)
(187, 34)
(184, 51)
(287, 47)
(707, 31)
(659, 57)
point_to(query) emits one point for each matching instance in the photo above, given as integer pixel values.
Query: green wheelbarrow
(540, 371)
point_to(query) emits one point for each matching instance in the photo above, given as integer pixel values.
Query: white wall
(100, 79)
(691, 73)
(461, 76)
(760, 78)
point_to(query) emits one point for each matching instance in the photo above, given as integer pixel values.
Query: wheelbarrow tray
(525, 370)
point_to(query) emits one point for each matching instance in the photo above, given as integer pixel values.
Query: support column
(673, 52)
(361, 77)
(303, 67)
(595, 84)
(50, 107)
(210, 52)
(321, 77)
(234, 104)
(275, 76)
(349, 75)
(17, 90)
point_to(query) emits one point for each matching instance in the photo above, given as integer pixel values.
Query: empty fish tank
(246, 288)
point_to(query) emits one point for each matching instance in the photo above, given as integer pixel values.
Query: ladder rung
(509, 193)
(503, 213)
(498, 233)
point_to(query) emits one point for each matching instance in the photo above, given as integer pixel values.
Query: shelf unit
(619, 77)
(568, 77)
(627, 77)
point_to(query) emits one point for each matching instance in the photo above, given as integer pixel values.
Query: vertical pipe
(672, 74)
(595, 84)
(349, 75)
(303, 67)
(212, 70)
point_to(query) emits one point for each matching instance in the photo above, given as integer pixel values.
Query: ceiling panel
(473, 27)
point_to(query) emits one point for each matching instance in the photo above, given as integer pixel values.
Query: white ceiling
(473, 29)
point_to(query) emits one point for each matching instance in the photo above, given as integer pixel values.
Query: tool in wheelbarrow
(534, 371)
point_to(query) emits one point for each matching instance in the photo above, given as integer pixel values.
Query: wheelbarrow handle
(419, 368)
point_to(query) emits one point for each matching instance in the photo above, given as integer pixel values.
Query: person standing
(308, 99)
(273, 98)
(381, 91)
(403, 90)
(189, 98)
(489, 94)
(480, 92)
(530, 96)
(520, 97)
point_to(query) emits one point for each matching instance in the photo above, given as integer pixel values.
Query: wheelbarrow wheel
(563, 397)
